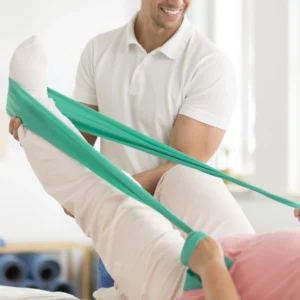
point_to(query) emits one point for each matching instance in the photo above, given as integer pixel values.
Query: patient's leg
(202, 201)
(139, 247)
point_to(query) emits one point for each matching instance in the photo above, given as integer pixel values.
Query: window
(232, 33)
(228, 24)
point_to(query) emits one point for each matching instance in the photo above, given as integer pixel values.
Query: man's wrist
(149, 179)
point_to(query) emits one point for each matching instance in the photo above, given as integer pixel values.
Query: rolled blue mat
(42, 267)
(104, 279)
(13, 270)
(2, 243)
(60, 285)
(32, 284)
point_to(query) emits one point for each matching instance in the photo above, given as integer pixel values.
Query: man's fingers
(297, 214)
(68, 213)
(11, 125)
(17, 124)
(15, 134)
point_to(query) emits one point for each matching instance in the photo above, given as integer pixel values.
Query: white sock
(28, 68)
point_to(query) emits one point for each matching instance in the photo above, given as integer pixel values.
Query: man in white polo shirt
(161, 77)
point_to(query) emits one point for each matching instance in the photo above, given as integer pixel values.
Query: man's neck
(150, 35)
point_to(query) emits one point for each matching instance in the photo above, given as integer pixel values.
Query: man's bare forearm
(149, 179)
(217, 283)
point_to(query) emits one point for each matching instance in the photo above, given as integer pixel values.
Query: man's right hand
(14, 125)
(208, 262)
(207, 253)
(297, 214)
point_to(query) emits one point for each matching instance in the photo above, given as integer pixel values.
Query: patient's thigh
(202, 201)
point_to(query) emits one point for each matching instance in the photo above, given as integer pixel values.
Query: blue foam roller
(60, 285)
(13, 270)
(104, 279)
(43, 268)
(32, 284)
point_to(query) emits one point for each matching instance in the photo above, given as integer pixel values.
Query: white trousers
(138, 246)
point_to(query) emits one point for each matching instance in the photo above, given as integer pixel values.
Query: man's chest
(141, 91)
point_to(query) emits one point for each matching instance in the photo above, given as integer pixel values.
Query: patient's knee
(182, 176)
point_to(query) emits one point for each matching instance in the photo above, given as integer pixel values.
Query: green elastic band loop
(190, 244)
(193, 281)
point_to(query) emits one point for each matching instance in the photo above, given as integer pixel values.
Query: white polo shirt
(188, 75)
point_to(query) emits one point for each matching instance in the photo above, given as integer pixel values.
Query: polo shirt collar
(130, 35)
(173, 47)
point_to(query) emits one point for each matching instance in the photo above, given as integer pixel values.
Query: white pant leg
(202, 201)
(139, 247)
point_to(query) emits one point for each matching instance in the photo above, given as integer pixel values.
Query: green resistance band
(39, 120)
(95, 123)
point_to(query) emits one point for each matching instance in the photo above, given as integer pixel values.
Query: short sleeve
(85, 89)
(211, 93)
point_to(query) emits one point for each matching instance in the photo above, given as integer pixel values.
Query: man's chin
(168, 25)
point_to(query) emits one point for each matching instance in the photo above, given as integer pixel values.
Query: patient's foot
(28, 68)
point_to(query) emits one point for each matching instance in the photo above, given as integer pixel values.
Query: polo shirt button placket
(133, 89)
(135, 83)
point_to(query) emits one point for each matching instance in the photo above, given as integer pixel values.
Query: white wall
(26, 212)
(266, 215)
(271, 94)
(201, 14)
(294, 97)
(64, 25)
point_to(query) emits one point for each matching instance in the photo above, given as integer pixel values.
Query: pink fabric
(192, 295)
(265, 266)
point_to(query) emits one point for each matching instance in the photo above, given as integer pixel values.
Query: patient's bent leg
(202, 201)
(139, 247)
